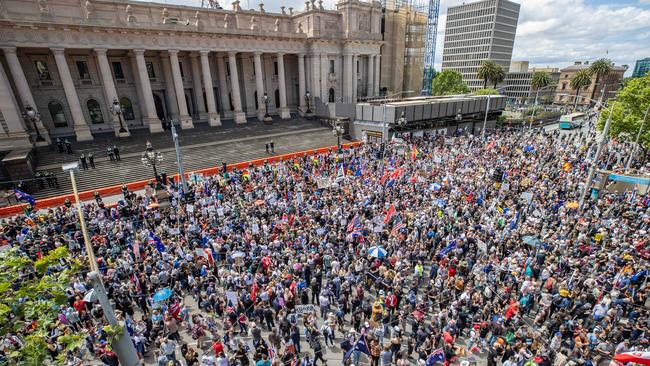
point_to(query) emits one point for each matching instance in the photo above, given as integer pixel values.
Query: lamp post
(636, 141)
(151, 157)
(71, 167)
(338, 130)
(487, 109)
(307, 99)
(181, 173)
(34, 117)
(532, 117)
(117, 110)
(265, 101)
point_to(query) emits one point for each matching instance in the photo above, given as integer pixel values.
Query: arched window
(277, 98)
(95, 111)
(331, 95)
(58, 117)
(127, 109)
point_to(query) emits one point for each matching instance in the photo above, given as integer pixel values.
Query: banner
(305, 309)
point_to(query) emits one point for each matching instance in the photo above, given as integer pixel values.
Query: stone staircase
(203, 147)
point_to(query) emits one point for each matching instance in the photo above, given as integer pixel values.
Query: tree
(540, 79)
(600, 68)
(627, 116)
(448, 82)
(579, 81)
(499, 75)
(487, 92)
(487, 71)
(31, 296)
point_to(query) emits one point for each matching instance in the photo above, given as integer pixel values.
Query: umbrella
(236, 255)
(642, 358)
(162, 295)
(377, 252)
(532, 241)
(90, 296)
(259, 202)
(153, 205)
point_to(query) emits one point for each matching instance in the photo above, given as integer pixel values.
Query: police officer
(91, 160)
(109, 151)
(84, 163)
(116, 151)
(59, 144)
(68, 146)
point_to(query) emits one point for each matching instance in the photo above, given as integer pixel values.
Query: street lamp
(71, 167)
(307, 99)
(338, 130)
(532, 117)
(636, 141)
(33, 116)
(151, 157)
(487, 109)
(265, 101)
(181, 173)
(117, 110)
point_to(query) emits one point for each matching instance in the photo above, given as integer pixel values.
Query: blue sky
(550, 32)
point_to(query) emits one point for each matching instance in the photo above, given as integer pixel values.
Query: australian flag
(156, 240)
(360, 346)
(448, 248)
(23, 196)
(435, 356)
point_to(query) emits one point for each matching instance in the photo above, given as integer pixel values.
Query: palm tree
(540, 79)
(579, 81)
(499, 75)
(486, 71)
(600, 68)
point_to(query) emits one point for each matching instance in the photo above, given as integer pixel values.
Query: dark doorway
(160, 107)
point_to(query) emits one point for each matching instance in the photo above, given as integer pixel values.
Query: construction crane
(430, 46)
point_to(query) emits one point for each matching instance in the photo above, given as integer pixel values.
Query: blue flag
(159, 245)
(436, 356)
(360, 346)
(448, 248)
(22, 196)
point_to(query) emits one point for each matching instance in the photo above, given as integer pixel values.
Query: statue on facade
(89, 9)
(300, 30)
(253, 23)
(226, 21)
(43, 7)
(277, 25)
(165, 15)
(130, 18)
(197, 19)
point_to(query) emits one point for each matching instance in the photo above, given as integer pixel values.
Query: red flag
(413, 178)
(397, 173)
(254, 292)
(491, 145)
(208, 252)
(383, 178)
(389, 214)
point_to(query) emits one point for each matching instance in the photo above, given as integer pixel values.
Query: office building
(476, 32)
(641, 68)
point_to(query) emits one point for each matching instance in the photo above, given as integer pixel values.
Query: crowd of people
(434, 249)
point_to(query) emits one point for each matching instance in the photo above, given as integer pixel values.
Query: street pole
(532, 117)
(594, 164)
(122, 344)
(181, 173)
(636, 141)
(89, 248)
(487, 109)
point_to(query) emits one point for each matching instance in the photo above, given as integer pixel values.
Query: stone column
(347, 79)
(170, 92)
(81, 128)
(315, 77)
(109, 90)
(197, 89)
(240, 117)
(324, 73)
(223, 86)
(282, 86)
(139, 103)
(377, 74)
(16, 70)
(184, 117)
(259, 84)
(213, 114)
(17, 135)
(301, 81)
(355, 78)
(371, 76)
(151, 117)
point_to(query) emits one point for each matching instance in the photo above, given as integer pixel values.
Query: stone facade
(71, 59)
(605, 89)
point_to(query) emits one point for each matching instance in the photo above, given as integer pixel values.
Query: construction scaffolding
(406, 28)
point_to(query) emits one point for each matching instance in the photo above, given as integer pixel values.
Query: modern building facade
(476, 32)
(518, 86)
(70, 61)
(606, 87)
(641, 68)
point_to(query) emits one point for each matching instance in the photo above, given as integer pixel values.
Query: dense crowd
(487, 257)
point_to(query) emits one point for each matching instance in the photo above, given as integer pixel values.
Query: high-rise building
(518, 86)
(641, 68)
(476, 32)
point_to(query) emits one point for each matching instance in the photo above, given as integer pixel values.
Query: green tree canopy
(628, 113)
(540, 79)
(487, 71)
(487, 92)
(498, 76)
(448, 82)
(32, 294)
(580, 80)
(599, 68)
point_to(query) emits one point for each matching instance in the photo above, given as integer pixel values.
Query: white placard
(528, 196)
(232, 298)
(189, 208)
(255, 228)
(305, 309)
